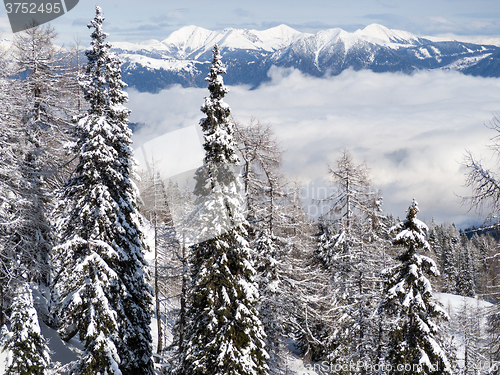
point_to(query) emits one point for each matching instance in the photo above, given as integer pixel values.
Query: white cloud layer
(412, 131)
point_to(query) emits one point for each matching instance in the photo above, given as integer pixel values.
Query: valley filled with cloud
(411, 130)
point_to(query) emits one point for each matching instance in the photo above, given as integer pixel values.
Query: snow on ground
(453, 303)
(158, 64)
(465, 62)
(4, 359)
(62, 352)
(296, 366)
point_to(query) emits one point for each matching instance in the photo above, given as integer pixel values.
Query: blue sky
(135, 21)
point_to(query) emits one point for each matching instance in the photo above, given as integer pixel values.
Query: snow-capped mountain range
(184, 57)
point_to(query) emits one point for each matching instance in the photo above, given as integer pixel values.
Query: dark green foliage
(224, 335)
(30, 354)
(415, 317)
(101, 268)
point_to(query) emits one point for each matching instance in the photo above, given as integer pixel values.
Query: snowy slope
(151, 63)
(383, 36)
(453, 303)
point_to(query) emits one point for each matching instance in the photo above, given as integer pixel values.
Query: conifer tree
(352, 196)
(311, 300)
(264, 185)
(30, 353)
(485, 246)
(269, 213)
(449, 259)
(466, 270)
(180, 201)
(293, 293)
(101, 269)
(224, 334)
(416, 317)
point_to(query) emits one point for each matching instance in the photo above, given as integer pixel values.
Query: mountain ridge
(184, 56)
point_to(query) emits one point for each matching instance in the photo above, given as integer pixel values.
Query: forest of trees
(241, 278)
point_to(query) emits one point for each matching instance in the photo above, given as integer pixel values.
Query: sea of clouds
(411, 130)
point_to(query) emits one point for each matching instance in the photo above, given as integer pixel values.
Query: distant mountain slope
(184, 56)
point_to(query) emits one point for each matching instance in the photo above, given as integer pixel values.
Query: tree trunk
(157, 294)
(2, 321)
(182, 313)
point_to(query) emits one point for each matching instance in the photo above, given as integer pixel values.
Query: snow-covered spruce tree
(466, 267)
(224, 334)
(449, 259)
(416, 317)
(101, 269)
(30, 353)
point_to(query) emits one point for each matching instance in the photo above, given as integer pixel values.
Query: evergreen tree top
(217, 126)
(216, 69)
(96, 23)
(411, 232)
(98, 62)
